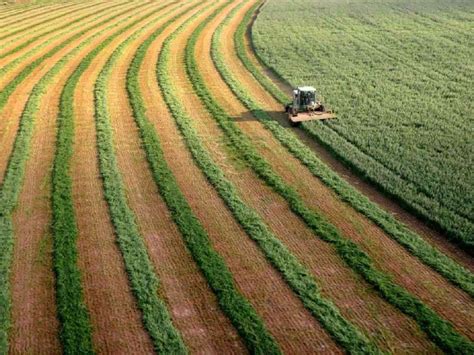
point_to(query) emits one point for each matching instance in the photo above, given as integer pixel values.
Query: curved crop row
(411, 241)
(17, 61)
(44, 34)
(49, 19)
(438, 329)
(11, 86)
(70, 305)
(294, 273)
(235, 306)
(72, 313)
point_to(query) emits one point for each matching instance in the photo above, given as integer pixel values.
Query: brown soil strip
(117, 325)
(408, 271)
(9, 116)
(191, 302)
(5, 78)
(31, 15)
(430, 234)
(34, 323)
(88, 11)
(350, 294)
(284, 315)
(33, 25)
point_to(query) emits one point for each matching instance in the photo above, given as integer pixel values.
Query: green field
(400, 76)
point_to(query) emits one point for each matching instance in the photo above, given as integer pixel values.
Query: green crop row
(74, 318)
(408, 239)
(235, 306)
(54, 30)
(11, 86)
(49, 19)
(439, 330)
(294, 273)
(402, 99)
(142, 277)
(9, 192)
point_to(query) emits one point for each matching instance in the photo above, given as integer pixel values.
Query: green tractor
(306, 107)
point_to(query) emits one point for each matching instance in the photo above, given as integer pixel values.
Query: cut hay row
(8, 89)
(143, 280)
(49, 19)
(140, 271)
(439, 330)
(9, 192)
(295, 274)
(411, 241)
(32, 15)
(32, 39)
(13, 64)
(234, 305)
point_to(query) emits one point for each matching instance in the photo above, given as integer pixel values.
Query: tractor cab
(306, 106)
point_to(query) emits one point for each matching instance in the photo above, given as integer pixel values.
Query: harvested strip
(49, 19)
(282, 312)
(9, 192)
(10, 87)
(143, 279)
(380, 320)
(9, 121)
(237, 308)
(43, 11)
(192, 304)
(31, 40)
(65, 228)
(349, 251)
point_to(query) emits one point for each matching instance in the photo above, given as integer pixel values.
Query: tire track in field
(429, 286)
(358, 304)
(17, 48)
(25, 30)
(192, 304)
(414, 223)
(426, 291)
(12, 110)
(282, 312)
(35, 324)
(43, 10)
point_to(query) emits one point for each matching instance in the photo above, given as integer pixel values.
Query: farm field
(399, 75)
(154, 199)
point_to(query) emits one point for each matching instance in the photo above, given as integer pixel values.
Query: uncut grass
(19, 49)
(282, 91)
(293, 233)
(192, 305)
(9, 116)
(429, 286)
(437, 328)
(283, 314)
(10, 190)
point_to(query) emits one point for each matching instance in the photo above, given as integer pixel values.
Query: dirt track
(117, 324)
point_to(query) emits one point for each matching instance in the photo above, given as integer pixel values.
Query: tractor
(306, 107)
